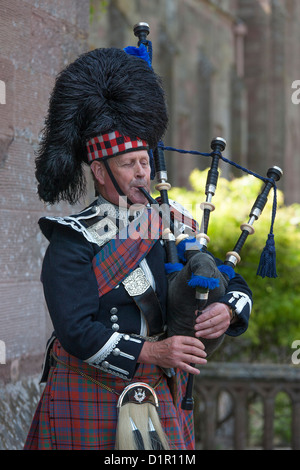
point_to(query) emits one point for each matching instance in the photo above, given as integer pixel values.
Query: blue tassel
(173, 267)
(228, 270)
(201, 281)
(267, 263)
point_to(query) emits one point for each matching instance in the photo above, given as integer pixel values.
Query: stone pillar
(37, 40)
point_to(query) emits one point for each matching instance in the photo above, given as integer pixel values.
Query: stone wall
(272, 64)
(37, 39)
(18, 402)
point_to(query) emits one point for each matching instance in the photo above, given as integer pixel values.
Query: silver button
(116, 352)
(126, 337)
(115, 327)
(114, 318)
(105, 364)
(113, 310)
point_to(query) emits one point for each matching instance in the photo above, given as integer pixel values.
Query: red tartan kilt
(75, 413)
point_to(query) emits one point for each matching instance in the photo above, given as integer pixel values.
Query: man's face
(131, 171)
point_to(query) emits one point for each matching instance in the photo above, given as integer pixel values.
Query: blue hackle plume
(140, 51)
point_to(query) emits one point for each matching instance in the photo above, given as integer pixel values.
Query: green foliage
(99, 6)
(275, 319)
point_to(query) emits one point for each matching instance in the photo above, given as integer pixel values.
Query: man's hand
(177, 351)
(213, 321)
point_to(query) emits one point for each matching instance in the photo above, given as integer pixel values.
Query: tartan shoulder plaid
(123, 254)
(112, 144)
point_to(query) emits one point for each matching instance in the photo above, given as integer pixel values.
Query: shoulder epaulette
(79, 222)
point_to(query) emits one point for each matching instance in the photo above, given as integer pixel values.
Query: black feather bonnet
(102, 91)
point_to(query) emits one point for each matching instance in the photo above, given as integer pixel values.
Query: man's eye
(144, 163)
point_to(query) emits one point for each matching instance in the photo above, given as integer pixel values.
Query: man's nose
(140, 170)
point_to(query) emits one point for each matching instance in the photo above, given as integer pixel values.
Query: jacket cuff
(118, 356)
(241, 305)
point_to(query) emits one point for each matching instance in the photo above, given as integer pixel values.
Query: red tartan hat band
(112, 144)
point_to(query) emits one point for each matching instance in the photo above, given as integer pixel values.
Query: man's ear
(98, 171)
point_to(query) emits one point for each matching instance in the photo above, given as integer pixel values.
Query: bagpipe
(194, 278)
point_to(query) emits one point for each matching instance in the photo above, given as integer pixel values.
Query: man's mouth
(140, 188)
